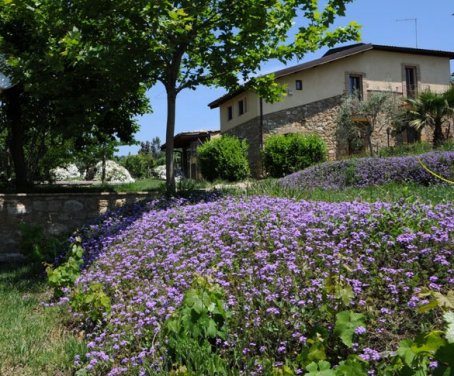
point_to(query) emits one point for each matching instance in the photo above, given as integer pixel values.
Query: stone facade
(314, 118)
(57, 214)
(251, 132)
(319, 118)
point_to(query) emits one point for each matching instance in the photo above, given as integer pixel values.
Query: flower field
(266, 286)
(364, 172)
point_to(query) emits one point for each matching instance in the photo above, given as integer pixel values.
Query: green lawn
(33, 338)
(145, 185)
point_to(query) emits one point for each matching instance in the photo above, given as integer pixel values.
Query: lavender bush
(364, 172)
(299, 282)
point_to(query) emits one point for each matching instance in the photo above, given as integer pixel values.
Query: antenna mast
(415, 20)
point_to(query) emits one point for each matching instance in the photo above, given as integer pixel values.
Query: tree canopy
(92, 61)
(61, 91)
(184, 44)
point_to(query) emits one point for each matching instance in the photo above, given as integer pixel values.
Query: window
(229, 113)
(411, 83)
(298, 85)
(242, 106)
(355, 85)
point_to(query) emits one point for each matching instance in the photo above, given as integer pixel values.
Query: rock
(114, 173)
(160, 173)
(67, 172)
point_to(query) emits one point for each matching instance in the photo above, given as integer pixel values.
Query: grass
(145, 185)
(33, 338)
(433, 194)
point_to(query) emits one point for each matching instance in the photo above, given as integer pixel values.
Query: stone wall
(56, 213)
(251, 132)
(314, 118)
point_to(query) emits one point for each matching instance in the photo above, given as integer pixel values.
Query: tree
(214, 42)
(431, 110)
(359, 119)
(60, 88)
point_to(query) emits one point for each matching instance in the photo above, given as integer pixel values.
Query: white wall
(381, 70)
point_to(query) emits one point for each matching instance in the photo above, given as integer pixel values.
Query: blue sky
(435, 24)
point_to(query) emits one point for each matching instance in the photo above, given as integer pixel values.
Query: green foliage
(194, 328)
(94, 302)
(140, 165)
(322, 368)
(449, 319)
(351, 176)
(284, 154)
(377, 110)
(346, 323)
(36, 245)
(66, 274)
(351, 367)
(406, 149)
(62, 93)
(224, 158)
(431, 110)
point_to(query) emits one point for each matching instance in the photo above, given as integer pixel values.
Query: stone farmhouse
(315, 90)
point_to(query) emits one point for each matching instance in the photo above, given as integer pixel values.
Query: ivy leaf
(346, 323)
(211, 329)
(193, 300)
(428, 343)
(445, 301)
(449, 318)
(406, 352)
(345, 294)
(351, 367)
(322, 368)
(428, 306)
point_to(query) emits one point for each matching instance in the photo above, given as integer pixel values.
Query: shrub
(284, 154)
(224, 158)
(140, 166)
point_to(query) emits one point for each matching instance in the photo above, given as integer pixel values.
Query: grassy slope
(433, 194)
(33, 338)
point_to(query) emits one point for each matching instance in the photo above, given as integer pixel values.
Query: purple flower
(360, 330)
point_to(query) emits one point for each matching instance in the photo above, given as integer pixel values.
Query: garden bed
(365, 172)
(264, 286)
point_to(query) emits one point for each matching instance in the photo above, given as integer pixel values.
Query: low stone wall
(56, 213)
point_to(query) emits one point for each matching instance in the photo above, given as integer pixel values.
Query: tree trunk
(13, 111)
(369, 141)
(170, 170)
(438, 135)
(103, 165)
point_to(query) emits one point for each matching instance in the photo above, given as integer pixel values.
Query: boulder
(160, 173)
(68, 172)
(114, 173)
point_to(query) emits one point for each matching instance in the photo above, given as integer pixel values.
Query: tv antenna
(415, 20)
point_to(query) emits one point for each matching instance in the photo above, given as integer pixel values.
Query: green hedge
(224, 158)
(285, 154)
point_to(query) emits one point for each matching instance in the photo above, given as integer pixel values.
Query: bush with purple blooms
(364, 172)
(288, 288)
